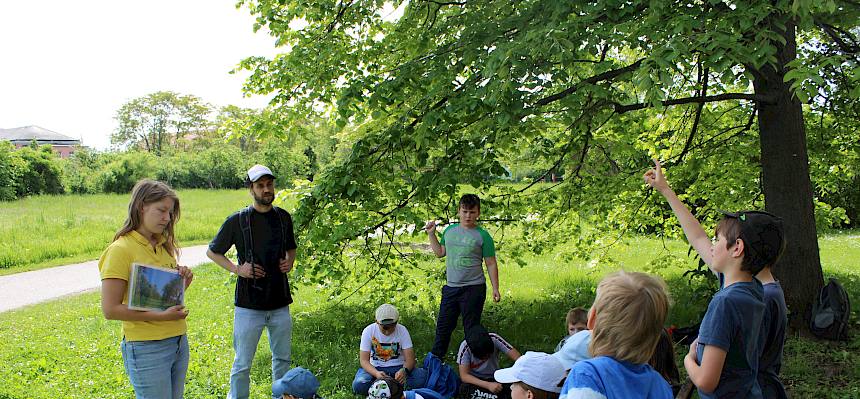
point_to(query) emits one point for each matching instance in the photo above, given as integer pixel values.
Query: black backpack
(830, 313)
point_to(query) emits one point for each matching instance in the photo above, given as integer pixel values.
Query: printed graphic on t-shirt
(460, 247)
(384, 351)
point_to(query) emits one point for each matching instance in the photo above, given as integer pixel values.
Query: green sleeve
(488, 248)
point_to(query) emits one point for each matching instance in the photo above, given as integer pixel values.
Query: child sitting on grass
(478, 359)
(576, 321)
(625, 321)
(386, 350)
(534, 375)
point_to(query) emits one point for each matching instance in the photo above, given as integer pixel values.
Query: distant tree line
(178, 139)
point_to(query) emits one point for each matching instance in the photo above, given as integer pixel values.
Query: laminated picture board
(154, 288)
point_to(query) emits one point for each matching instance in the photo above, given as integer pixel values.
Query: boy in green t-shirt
(467, 247)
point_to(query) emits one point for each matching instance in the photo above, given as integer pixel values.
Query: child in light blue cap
(298, 383)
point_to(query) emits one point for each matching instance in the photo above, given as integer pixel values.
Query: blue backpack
(442, 381)
(424, 392)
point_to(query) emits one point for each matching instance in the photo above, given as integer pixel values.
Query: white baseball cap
(258, 171)
(537, 369)
(387, 314)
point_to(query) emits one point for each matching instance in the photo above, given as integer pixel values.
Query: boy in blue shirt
(724, 361)
(625, 322)
(467, 246)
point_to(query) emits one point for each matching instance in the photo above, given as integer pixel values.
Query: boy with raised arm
(467, 246)
(725, 359)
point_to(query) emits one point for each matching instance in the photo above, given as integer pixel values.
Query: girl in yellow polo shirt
(154, 345)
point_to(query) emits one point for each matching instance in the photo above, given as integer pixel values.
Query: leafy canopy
(437, 96)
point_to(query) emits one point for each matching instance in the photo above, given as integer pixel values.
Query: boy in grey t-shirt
(467, 247)
(478, 359)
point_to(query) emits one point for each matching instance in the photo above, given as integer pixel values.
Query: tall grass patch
(45, 231)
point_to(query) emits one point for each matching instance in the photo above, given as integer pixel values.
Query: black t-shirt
(269, 245)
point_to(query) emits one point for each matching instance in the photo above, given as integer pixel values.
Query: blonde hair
(146, 192)
(630, 310)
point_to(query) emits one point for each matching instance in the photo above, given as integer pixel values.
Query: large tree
(451, 91)
(156, 121)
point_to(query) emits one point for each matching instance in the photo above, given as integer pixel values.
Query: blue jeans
(156, 368)
(247, 328)
(362, 381)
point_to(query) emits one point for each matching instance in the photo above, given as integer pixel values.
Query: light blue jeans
(247, 328)
(156, 368)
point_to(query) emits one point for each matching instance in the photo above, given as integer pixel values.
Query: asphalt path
(28, 288)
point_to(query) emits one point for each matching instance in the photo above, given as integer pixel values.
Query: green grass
(66, 348)
(47, 231)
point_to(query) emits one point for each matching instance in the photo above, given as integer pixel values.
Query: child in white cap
(535, 373)
(386, 350)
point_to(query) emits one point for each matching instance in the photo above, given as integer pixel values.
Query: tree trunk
(786, 185)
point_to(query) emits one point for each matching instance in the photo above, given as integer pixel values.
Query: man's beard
(263, 200)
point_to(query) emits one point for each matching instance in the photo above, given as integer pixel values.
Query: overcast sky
(68, 66)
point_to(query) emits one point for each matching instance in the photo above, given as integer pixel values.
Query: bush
(7, 172)
(285, 161)
(36, 170)
(218, 167)
(175, 170)
(121, 174)
(79, 171)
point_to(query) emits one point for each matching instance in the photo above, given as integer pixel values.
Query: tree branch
(620, 108)
(446, 3)
(608, 75)
(836, 34)
(703, 77)
(337, 18)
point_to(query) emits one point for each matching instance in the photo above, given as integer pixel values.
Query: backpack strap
(248, 240)
(282, 252)
(283, 219)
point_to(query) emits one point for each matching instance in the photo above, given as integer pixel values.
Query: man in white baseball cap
(266, 251)
(258, 171)
(536, 372)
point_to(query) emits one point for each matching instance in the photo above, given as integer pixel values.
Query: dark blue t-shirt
(772, 341)
(269, 245)
(733, 323)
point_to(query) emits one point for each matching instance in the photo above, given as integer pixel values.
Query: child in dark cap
(739, 349)
(478, 359)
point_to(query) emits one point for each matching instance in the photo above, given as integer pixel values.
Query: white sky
(68, 66)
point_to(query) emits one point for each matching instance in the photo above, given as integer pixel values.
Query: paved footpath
(22, 289)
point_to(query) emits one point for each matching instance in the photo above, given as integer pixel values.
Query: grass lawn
(66, 349)
(45, 231)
